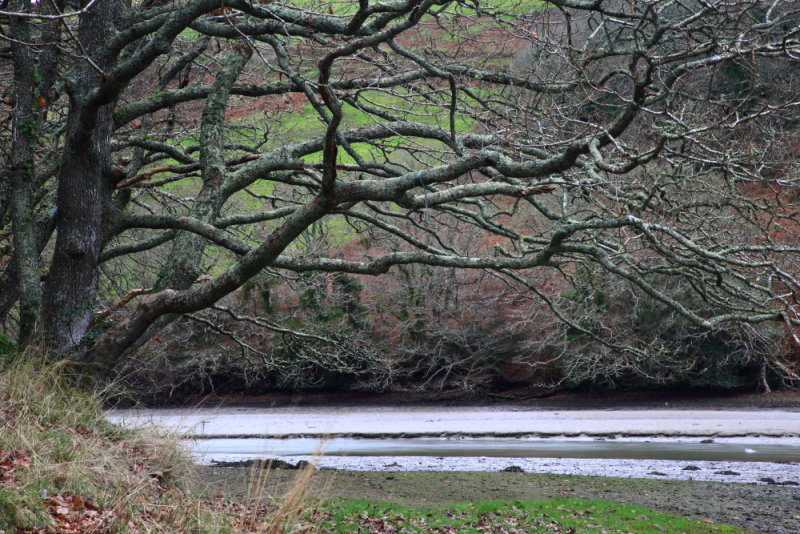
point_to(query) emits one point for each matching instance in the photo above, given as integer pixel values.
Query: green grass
(549, 516)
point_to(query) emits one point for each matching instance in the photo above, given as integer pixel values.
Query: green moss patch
(554, 515)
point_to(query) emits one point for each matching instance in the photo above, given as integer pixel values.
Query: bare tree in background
(178, 150)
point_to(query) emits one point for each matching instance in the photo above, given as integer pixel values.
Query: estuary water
(758, 446)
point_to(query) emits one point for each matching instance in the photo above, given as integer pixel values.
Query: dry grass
(262, 513)
(65, 468)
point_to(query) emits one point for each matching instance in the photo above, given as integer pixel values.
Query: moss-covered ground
(758, 508)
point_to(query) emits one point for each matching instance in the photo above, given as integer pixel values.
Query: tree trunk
(9, 283)
(84, 191)
(5, 194)
(72, 283)
(26, 120)
(108, 349)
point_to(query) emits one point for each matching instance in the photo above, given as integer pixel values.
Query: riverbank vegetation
(551, 516)
(413, 194)
(65, 469)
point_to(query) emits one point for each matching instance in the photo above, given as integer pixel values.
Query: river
(720, 445)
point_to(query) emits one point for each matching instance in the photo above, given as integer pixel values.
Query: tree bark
(9, 283)
(25, 130)
(84, 191)
(105, 353)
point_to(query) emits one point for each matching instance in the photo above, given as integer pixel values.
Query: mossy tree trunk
(84, 187)
(24, 139)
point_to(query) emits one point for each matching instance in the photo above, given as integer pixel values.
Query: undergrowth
(65, 468)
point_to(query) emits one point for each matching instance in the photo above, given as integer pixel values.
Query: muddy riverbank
(563, 400)
(421, 421)
(767, 473)
(761, 508)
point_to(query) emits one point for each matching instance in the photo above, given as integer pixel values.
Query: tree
(178, 150)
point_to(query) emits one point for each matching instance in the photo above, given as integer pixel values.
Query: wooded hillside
(409, 193)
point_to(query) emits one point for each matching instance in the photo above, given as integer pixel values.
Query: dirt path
(761, 508)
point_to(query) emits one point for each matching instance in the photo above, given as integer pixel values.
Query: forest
(413, 195)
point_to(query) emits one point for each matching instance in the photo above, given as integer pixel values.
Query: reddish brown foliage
(10, 461)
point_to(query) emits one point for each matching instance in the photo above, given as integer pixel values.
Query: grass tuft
(65, 468)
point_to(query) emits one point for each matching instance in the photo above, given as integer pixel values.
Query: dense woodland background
(410, 194)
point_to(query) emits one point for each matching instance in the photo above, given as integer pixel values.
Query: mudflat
(761, 508)
(389, 421)
(560, 400)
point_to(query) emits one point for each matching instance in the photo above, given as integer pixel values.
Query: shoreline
(758, 507)
(563, 400)
(760, 473)
(375, 421)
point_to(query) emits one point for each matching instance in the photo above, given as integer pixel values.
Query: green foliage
(341, 300)
(8, 349)
(21, 508)
(548, 516)
(309, 299)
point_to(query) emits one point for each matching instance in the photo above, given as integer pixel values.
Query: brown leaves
(74, 514)
(9, 409)
(74, 502)
(500, 522)
(10, 461)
